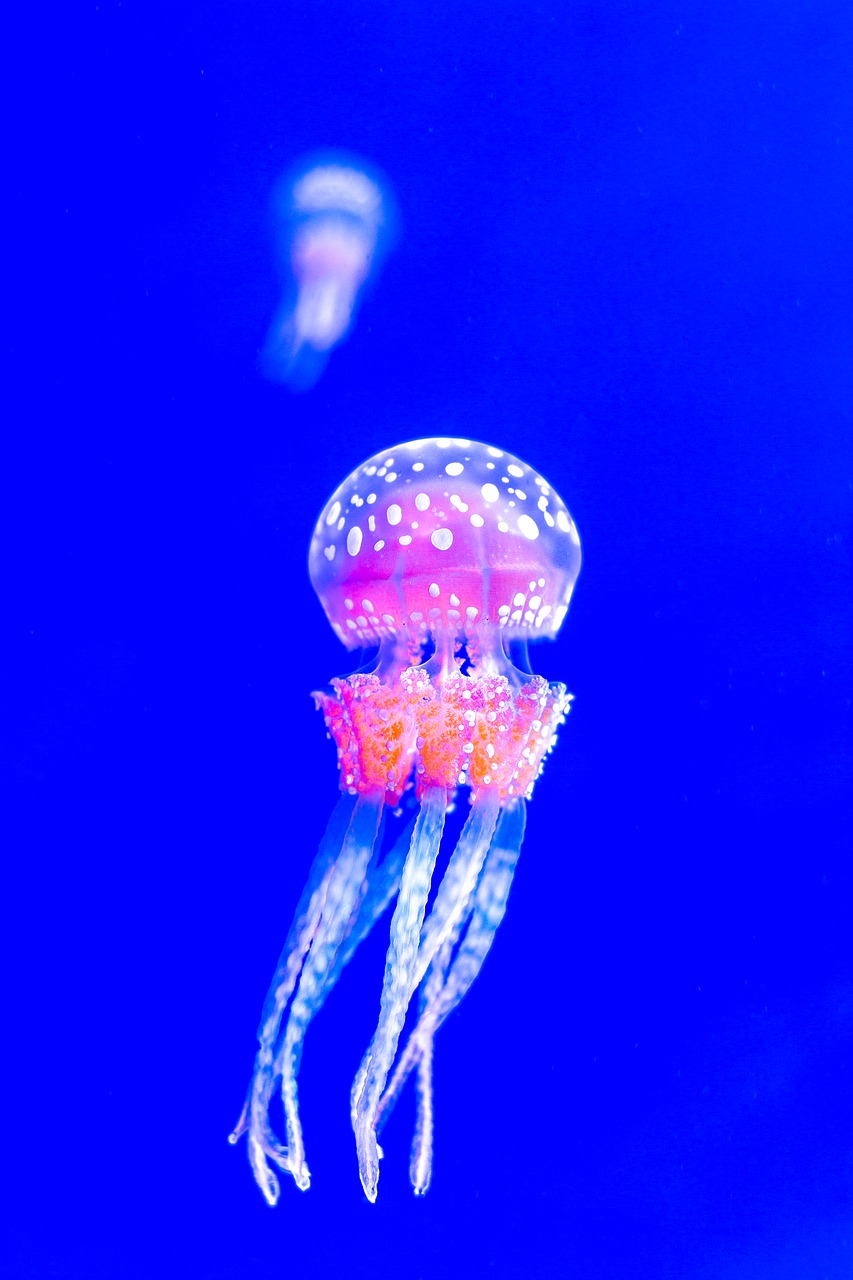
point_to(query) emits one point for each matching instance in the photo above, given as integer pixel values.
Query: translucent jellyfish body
(334, 224)
(441, 554)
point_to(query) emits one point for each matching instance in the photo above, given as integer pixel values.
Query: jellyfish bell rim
(508, 572)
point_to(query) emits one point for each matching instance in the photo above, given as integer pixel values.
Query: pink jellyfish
(440, 554)
(336, 221)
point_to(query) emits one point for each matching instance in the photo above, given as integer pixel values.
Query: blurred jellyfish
(441, 554)
(334, 222)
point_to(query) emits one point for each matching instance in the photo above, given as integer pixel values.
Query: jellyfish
(334, 225)
(443, 557)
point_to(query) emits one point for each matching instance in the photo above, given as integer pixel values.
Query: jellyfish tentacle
(420, 1162)
(380, 888)
(354, 823)
(460, 880)
(398, 984)
(255, 1115)
(320, 971)
(448, 981)
(403, 979)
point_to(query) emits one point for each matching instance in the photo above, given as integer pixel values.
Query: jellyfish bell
(335, 221)
(439, 554)
(448, 536)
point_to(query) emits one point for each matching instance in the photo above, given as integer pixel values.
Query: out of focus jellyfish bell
(443, 555)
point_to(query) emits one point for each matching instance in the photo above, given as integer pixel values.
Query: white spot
(434, 589)
(377, 546)
(394, 513)
(329, 553)
(341, 523)
(503, 527)
(477, 521)
(519, 493)
(535, 602)
(457, 502)
(405, 540)
(422, 501)
(417, 466)
(503, 611)
(333, 513)
(454, 599)
(471, 613)
(454, 469)
(442, 539)
(371, 498)
(367, 606)
(518, 598)
(563, 521)
(494, 453)
(362, 621)
(381, 471)
(542, 504)
(528, 526)
(351, 624)
(370, 471)
(388, 618)
(354, 540)
(392, 475)
(490, 492)
(549, 519)
(513, 470)
(349, 604)
(371, 523)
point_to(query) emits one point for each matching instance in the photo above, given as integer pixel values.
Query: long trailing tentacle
(255, 1115)
(398, 983)
(346, 892)
(320, 971)
(408, 960)
(448, 981)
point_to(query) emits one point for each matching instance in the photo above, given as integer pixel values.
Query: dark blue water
(624, 255)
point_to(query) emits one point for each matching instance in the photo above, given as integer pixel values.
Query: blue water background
(625, 256)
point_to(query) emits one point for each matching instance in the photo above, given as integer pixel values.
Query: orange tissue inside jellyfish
(442, 557)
